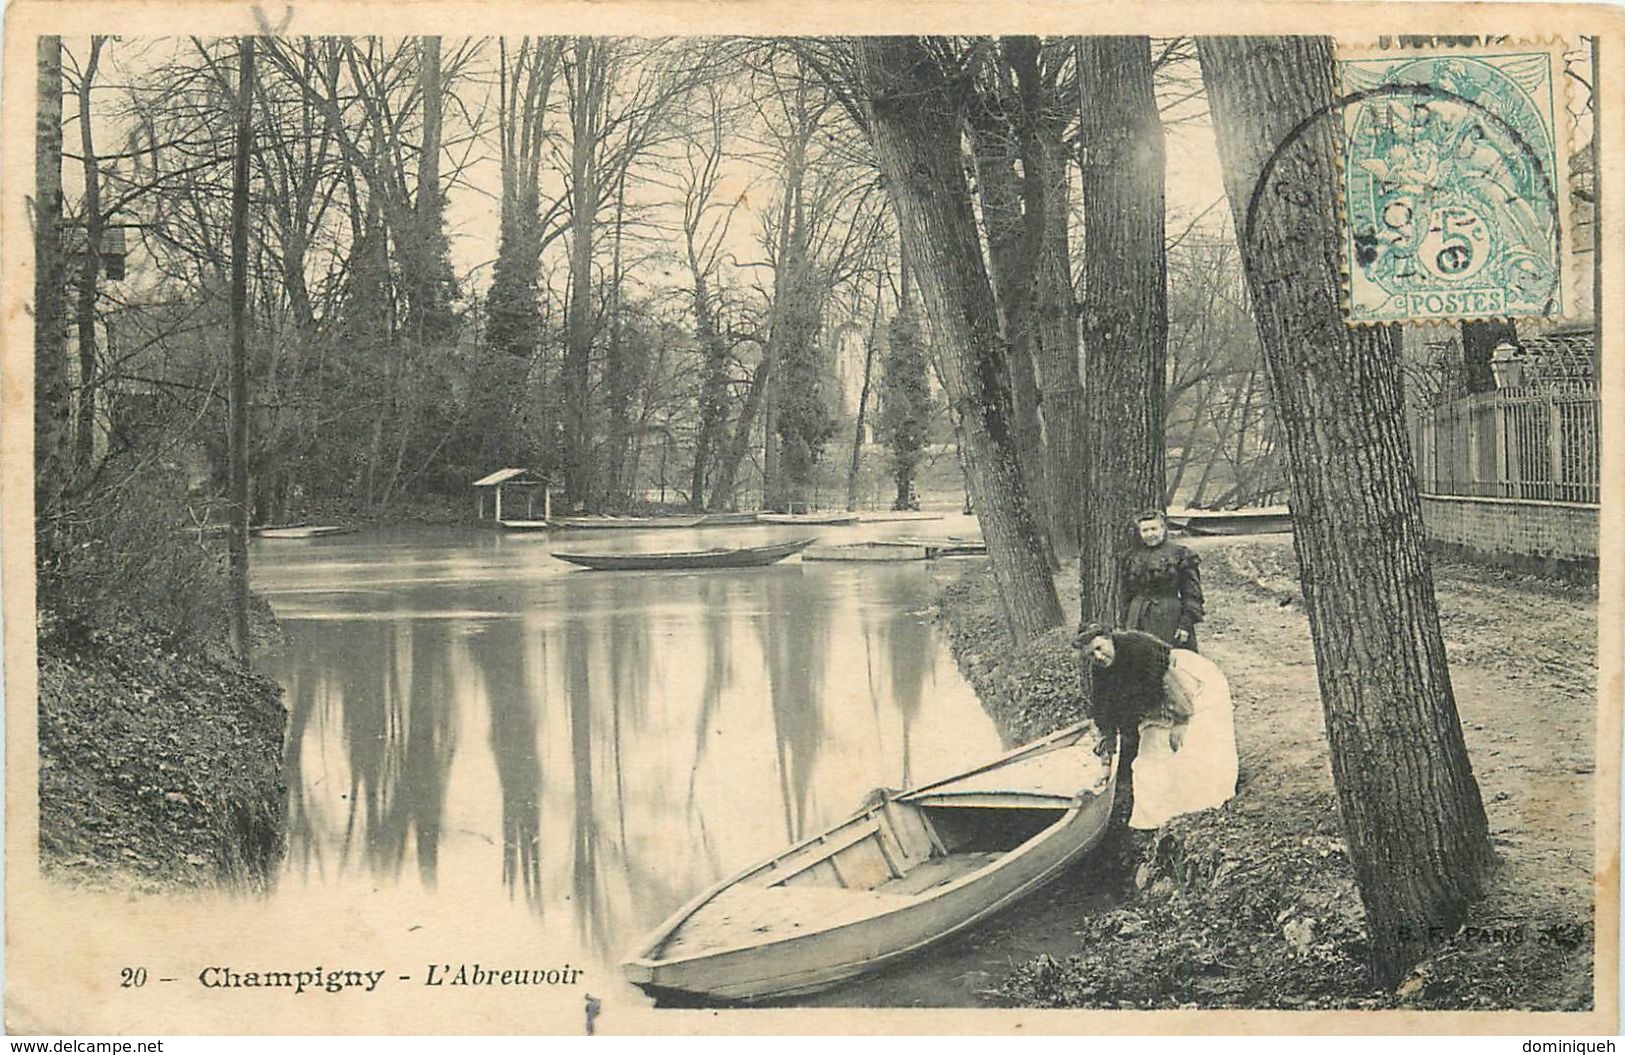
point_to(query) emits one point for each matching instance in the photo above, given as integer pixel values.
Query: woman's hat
(1089, 631)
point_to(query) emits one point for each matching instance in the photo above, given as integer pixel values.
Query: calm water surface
(472, 719)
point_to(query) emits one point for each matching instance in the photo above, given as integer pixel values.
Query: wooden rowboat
(303, 531)
(948, 546)
(895, 878)
(748, 557)
(614, 523)
(872, 552)
(897, 516)
(727, 519)
(1262, 520)
(824, 519)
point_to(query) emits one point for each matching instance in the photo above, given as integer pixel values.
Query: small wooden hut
(512, 498)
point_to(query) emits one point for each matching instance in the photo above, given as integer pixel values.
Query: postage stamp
(1455, 175)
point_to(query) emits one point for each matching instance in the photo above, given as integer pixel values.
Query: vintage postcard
(678, 518)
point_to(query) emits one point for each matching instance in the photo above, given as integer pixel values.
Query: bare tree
(52, 394)
(92, 222)
(1411, 809)
(237, 442)
(707, 219)
(915, 118)
(1125, 306)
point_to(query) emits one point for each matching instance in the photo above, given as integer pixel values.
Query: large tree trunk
(906, 395)
(425, 301)
(619, 379)
(1411, 809)
(863, 399)
(1010, 263)
(1125, 308)
(727, 481)
(713, 383)
(584, 106)
(1050, 321)
(237, 437)
(1055, 347)
(916, 128)
(788, 275)
(52, 393)
(90, 267)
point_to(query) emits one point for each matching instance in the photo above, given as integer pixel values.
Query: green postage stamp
(1455, 183)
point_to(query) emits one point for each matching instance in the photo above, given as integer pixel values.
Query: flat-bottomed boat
(746, 557)
(905, 872)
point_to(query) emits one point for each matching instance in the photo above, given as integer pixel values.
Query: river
(477, 725)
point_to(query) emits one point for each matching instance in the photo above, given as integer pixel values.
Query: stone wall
(1549, 537)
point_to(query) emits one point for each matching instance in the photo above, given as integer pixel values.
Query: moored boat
(902, 874)
(727, 519)
(606, 522)
(897, 516)
(302, 530)
(874, 552)
(948, 546)
(745, 557)
(823, 519)
(1260, 520)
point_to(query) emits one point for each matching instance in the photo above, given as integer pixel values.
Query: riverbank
(160, 764)
(1254, 905)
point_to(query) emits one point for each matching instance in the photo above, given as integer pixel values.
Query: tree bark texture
(620, 374)
(916, 124)
(1410, 805)
(1125, 308)
(1047, 192)
(1010, 260)
(723, 489)
(90, 268)
(713, 382)
(870, 346)
(237, 440)
(585, 104)
(52, 394)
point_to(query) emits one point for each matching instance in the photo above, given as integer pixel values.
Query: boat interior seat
(884, 844)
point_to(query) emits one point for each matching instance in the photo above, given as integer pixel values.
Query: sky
(1193, 185)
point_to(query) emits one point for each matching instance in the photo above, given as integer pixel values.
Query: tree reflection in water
(703, 719)
(502, 653)
(794, 631)
(304, 814)
(909, 653)
(399, 739)
(716, 621)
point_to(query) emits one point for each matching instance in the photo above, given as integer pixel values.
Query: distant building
(513, 498)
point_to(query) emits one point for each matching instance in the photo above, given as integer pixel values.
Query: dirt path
(1523, 664)
(1254, 904)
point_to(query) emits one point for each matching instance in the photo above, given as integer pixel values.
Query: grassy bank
(160, 765)
(1254, 905)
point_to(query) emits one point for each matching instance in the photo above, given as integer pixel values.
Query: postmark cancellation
(1455, 183)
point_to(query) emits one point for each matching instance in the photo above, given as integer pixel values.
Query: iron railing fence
(1535, 442)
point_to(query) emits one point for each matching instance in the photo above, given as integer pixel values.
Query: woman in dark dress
(1169, 713)
(1162, 584)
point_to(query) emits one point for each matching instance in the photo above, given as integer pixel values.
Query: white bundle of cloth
(1201, 774)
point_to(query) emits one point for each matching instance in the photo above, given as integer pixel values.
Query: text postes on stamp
(1454, 181)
